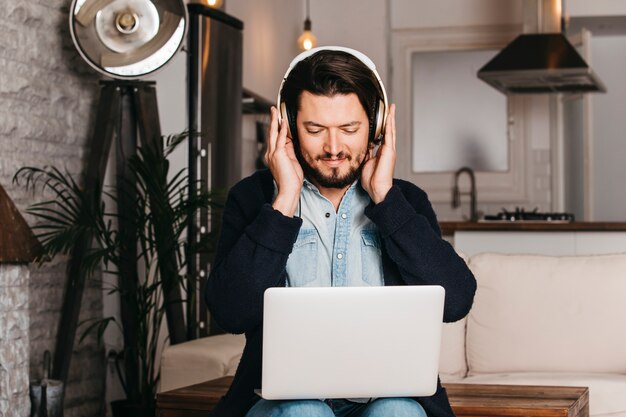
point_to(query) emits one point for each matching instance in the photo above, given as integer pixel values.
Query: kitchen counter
(449, 228)
(544, 238)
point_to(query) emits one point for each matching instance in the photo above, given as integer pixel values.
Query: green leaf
(98, 325)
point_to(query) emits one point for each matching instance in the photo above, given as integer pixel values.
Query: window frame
(507, 186)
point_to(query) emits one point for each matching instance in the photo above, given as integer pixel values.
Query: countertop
(448, 228)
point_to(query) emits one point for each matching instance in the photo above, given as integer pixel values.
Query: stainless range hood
(540, 63)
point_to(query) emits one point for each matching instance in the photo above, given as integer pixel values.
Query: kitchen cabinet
(555, 240)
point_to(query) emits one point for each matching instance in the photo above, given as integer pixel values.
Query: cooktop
(520, 214)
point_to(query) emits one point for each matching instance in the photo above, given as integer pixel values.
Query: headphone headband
(358, 55)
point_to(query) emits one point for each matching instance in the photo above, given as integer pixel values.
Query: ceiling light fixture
(307, 40)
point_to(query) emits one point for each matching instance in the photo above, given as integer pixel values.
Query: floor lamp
(124, 40)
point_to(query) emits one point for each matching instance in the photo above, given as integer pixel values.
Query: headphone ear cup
(380, 120)
(285, 116)
(290, 117)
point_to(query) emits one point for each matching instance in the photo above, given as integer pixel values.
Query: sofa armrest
(200, 360)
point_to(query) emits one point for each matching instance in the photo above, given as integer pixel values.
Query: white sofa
(536, 320)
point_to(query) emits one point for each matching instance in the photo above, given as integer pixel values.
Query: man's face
(333, 138)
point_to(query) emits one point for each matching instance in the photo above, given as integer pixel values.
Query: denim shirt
(341, 248)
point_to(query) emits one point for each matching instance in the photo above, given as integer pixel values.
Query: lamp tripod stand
(127, 111)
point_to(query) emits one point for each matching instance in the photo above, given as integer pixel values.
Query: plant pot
(124, 408)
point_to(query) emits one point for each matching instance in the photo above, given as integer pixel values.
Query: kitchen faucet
(456, 193)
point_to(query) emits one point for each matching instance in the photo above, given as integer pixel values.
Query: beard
(334, 179)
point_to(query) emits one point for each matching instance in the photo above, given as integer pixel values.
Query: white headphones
(381, 110)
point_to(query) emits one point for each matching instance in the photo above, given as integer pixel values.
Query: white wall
(412, 14)
(172, 94)
(172, 99)
(358, 24)
(270, 30)
(576, 8)
(609, 129)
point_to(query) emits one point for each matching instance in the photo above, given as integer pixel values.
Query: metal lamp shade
(128, 39)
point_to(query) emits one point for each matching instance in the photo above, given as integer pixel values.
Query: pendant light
(214, 4)
(307, 40)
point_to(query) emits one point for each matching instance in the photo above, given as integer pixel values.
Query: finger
(387, 154)
(281, 140)
(273, 132)
(291, 153)
(390, 136)
(393, 125)
(375, 151)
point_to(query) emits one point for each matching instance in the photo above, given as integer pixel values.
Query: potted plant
(136, 241)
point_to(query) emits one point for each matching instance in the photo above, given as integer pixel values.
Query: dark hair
(327, 73)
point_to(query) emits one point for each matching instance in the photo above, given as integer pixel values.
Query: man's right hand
(282, 162)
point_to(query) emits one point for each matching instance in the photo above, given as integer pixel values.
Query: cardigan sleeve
(255, 242)
(412, 240)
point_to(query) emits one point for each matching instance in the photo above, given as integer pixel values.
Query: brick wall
(14, 400)
(47, 108)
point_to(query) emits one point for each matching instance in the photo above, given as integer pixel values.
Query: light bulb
(307, 40)
(215, 4)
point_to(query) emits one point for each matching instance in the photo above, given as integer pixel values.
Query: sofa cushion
(200, 360)
(607, 392)
(452, 363)
(548, 314)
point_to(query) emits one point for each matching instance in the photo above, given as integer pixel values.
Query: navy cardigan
(254, 245)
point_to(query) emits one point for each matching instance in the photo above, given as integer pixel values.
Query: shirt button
(340, 256)
(344, 216)
(327, 215)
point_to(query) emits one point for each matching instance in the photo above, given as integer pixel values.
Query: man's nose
(332, 144)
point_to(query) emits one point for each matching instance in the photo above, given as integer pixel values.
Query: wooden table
(467, 400)
(471, 400)
(192, 401)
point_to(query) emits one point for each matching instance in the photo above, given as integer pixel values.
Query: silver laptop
(351, 342)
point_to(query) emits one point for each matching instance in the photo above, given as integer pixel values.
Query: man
(327, 212)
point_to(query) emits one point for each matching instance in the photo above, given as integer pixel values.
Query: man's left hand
(377, 174)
